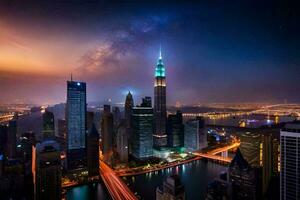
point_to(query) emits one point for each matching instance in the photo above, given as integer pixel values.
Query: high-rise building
(48, 125)
(93, 151)
(160, 110)
(89, 120)
(76, 125)
(11, 138)
(172, 189)
(107, 133)
(142, 135)
(62, 128)
(122, 142)
(129, 104)
(117, 116)
(47, 171)
(244, 179)
(175, 130)
(128, 109)
(290, 161)
(256, 148)
(195, 137)
(146, 102)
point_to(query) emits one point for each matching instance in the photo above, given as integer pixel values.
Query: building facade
(195, 137)
(142, 135)
(107, 134)
(47, 171)
(93, 151)
(175, 129)
(290, 162)
(48, 125)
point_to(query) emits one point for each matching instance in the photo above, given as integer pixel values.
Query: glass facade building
(290, 162)
(142, 140)
(76, 124)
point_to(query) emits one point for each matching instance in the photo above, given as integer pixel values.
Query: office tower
(195, 137)
(142, 132)
(290, 161)
(11, 138)
(48, 125)
(47, 171)
(275, 156)
(172, 189)
(3, 139)
(62, 128)
(175, 130)
(76, 125)
(243, 178)
(128, 109)
(257, 150)
(107, 133)
(117, 116)
(93, 151)
(160, 111)
(89, 120)
(122, 142)
(129, 104)
(146, 102)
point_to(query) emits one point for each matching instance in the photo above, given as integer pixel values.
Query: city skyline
(248, 56)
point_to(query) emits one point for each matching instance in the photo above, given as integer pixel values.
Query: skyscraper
(142, 135)
(12, 138)
(290, 162)
(48, 125)
(107, 133)
(76, 125)
(257, 150)
(129, 104)
(195, 137)
(128, 109)
(175, 130)
(243, 178)
(160, 111)
(122, 142)
(47, 171)
(93, 151)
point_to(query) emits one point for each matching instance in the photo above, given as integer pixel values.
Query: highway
(117, 189)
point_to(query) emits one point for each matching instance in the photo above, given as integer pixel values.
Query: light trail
(116, 187)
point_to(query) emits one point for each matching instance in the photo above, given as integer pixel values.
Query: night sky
(214, 51)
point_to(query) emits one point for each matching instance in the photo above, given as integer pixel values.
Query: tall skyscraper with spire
(160, 111)
(76, 125)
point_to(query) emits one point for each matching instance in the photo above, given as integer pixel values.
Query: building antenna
(71, 77)
(160, 52)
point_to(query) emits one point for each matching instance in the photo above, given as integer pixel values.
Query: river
(195, 176)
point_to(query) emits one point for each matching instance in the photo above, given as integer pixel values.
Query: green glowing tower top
(160, 69)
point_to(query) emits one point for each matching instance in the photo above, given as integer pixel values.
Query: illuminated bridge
(117, 189)
(5, 118)
(223, 150)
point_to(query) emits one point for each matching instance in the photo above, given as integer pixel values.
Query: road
(116, 187)
(209, 155)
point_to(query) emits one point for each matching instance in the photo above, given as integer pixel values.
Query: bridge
(117, 189)
(5, 118)
(223, 150)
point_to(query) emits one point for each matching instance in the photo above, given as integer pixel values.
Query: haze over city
(215, 51)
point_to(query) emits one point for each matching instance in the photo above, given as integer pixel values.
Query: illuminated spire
(160, 69)
(160, 57)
